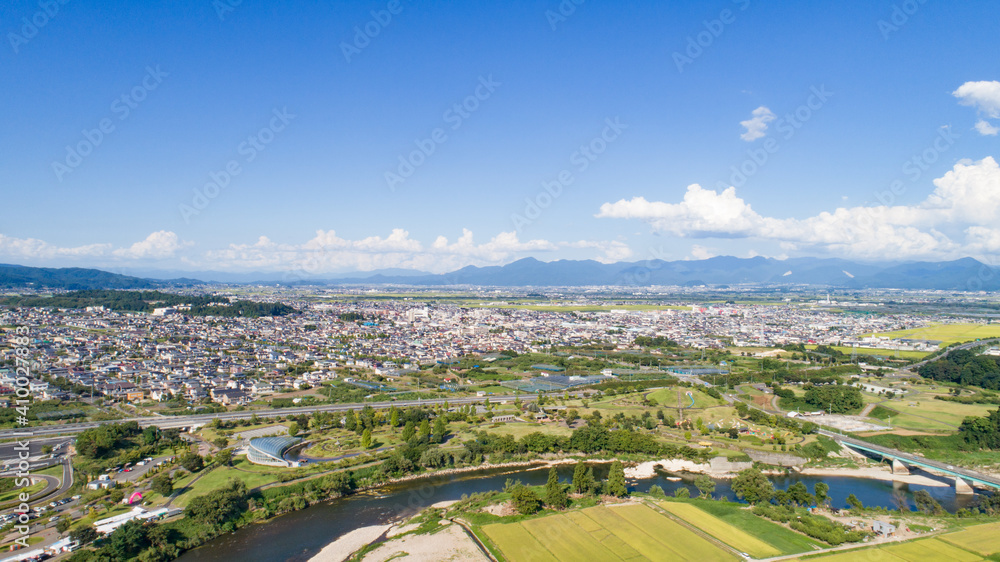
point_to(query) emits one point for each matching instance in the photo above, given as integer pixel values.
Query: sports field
(631, 532)
(984, 539)
(949, 333)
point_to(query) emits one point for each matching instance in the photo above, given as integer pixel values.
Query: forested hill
(965, 367)
(146, 301)
(77, 279)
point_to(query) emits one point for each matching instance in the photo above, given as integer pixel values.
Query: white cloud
(986, 128)
(966, 196)
(158, 245)
(985, 97)
(327, 252)
(34, 249)
(699, 252)
(757, 125)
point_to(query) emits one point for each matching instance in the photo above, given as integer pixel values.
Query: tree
(221, 442)
(583, 479)
(440, 428)
(393, 417)
(656, 491)
(854, 502)
(163, 484)
(127, 541)
(733, 433)
(751, 485)
(425, 429)
(799, 494)
(822, 491)
(555, 495)
(192, 462)
(571, 416)
(409, 430)
(682, 493)
(616, 480)
(926, 503)
(705, 486)
(350, 421)
(224, 457)
(293, 429)
(366, 439)
(63, 525)
(84, 535)
(525, 500)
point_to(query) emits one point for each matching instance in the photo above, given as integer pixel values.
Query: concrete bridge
(964, 480)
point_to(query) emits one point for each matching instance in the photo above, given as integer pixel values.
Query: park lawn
(12, 495)
(784, 539)
(721, 530)
(517, 544)
(948, 333)
(519, 430)
(251, 475)
(983, 539)
(926, 550)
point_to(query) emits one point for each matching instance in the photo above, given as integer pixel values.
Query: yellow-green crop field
(984, 539)
(891, 353)
(949, 333)
(631, 532)
(960, 546)
(733, 536)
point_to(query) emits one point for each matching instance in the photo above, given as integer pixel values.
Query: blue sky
(312, 120)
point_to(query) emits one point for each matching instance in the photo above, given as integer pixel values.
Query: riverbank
(648, 470)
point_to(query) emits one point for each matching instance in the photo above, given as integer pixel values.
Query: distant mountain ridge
(963, 274)
(966, 274)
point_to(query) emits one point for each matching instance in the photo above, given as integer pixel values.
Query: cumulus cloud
(956, 219)
(327, 252)
(158, 245)
(985, 97)
(35, 249)
(986, 128)
(757, 124)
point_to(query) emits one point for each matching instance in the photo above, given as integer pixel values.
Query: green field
(721, 530)
(984, 539)
(668, 398)
(948, 333)
(632, 532)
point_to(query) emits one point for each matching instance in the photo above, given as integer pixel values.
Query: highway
(169, 422)
(969, 476)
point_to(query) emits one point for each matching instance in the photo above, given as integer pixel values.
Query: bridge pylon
(962, 487)
(899, 468)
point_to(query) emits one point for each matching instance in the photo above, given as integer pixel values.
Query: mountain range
(962, 274)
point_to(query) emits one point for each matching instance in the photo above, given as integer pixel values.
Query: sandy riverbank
(342, 548)
(874, 474)
(648, 470)
(450, 544)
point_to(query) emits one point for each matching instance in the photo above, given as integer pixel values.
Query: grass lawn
(251, 475)
(891, 353)
(12, 495)
(519, 430)
(782, 538)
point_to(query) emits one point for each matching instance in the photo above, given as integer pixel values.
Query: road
(168, 422)
(919, 461)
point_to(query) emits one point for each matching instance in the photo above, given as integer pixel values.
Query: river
(299, 535)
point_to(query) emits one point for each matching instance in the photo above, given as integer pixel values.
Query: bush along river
(299, 535)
